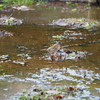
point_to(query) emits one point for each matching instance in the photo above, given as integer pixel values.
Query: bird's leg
(60, 57)
(52, 57)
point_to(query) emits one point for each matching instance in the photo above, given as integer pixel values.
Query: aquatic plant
(87, 4)
(39, 2)
(23, 2)
(18, 2)
(57, 36)
(74, 9)
(70, 4)
(1, 5)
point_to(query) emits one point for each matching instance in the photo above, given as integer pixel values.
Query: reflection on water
(19, 54)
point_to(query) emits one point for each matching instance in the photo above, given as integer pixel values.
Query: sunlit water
(20, 64)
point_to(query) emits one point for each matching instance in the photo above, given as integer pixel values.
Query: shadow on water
(20, 52)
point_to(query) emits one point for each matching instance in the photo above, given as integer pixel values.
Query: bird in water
(54, 48)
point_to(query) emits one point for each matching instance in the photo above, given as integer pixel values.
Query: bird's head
(59, 43)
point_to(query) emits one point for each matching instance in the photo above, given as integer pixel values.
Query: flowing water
(21, 67)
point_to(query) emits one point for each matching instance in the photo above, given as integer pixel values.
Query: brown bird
(54, 48)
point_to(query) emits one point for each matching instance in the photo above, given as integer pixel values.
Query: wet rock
(8, 20)
(6, 89)
(48, 76)
(65, 54)
(79, 23)
(22, 8)
(5, 33)
(22, 47)
(21, 62)
(4, 58)
(24, 56)
(52, 94)
(37, 90)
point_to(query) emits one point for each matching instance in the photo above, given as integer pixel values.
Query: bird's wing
(52, 47)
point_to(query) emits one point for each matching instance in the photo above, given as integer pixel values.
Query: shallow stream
(20, 53)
